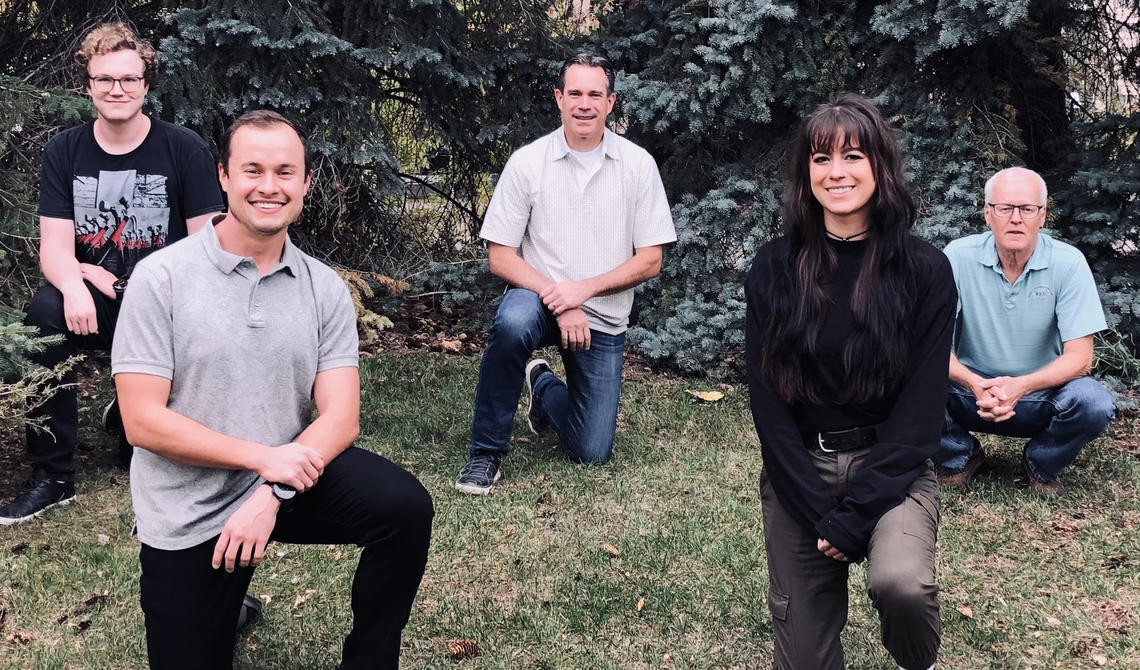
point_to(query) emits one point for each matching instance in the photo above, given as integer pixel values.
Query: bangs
(838, 126)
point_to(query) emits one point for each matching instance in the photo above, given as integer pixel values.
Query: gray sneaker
(534, 420)
(478, 477)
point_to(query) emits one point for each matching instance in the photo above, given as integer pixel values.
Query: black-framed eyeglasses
(1004, 211)
(104, 84)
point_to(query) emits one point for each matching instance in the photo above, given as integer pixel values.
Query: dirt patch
(1117, 616)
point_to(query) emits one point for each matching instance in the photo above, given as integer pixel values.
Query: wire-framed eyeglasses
(104, 84)
(1004, 211)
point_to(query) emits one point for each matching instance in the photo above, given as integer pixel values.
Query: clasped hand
(565, 296)
(293, 464)
(997, 397)
(247, 531)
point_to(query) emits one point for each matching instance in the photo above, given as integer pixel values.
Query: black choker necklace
(849, 237)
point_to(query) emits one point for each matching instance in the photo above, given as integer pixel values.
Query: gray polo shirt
(241, 352)
(570, 228)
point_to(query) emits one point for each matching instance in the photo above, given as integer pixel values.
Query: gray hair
(1012, 170)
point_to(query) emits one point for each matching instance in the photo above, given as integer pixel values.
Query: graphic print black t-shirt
(127, 206)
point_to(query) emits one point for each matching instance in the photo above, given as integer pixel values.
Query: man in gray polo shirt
(225, 343)
(577, 221)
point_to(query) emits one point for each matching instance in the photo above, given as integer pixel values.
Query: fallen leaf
(20, 548)
(21, 637)
(454, 346)
(706, 396)
(1053, 621)
(966, 611)
(610, 549)
(302, 597)
(640, 604)
(104, 538)
(1100, 659)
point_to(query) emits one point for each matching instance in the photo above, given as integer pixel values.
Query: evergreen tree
(381, 87)
(715, 89)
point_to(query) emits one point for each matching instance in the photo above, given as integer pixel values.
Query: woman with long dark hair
(848, 341)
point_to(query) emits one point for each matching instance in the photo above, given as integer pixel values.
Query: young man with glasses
(111, 192)
(1023, 345)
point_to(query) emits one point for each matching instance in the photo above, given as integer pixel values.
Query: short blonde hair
(111, 37)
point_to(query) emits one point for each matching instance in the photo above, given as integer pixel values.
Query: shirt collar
(228, 262)
(559, 148)
(1042, 253)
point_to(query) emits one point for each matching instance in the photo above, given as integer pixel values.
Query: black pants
(191, 609)
(52, 454)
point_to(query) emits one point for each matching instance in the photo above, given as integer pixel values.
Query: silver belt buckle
(819, 440)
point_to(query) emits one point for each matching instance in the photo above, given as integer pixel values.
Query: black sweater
(909, 421)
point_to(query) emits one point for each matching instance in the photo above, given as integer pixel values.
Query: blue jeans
(1058, 421)
(582, 411)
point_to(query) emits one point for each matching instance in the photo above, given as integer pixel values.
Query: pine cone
(458, 650)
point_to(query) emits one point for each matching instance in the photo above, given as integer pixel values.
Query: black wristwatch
(284, 493)
(120, 287)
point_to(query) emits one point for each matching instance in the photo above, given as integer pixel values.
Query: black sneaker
(478, 477)
(37, 496)
(534, 420)
(250, 611)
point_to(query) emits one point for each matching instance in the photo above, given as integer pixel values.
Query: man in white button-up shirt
(577, 221)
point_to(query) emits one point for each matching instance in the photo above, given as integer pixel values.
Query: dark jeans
(1059, 422)
(807, 594)
(583, 409)
(191, 609)
(52, 454)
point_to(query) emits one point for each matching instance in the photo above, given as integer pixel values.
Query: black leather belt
(843, 440)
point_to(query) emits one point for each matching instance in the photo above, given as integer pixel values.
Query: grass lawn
(652, 561)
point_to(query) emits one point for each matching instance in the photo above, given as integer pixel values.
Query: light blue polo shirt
(1004, 329)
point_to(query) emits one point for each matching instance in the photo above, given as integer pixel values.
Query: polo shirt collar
(560, 148)
(1042, 253)
(228, 262)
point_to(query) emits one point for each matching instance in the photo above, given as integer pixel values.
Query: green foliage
(379, 86)
(1100, 208)
(24, 384)
(29, 116)
(715, 91)
(1117, 364)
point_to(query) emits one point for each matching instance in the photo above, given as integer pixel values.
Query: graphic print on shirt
(120, 217)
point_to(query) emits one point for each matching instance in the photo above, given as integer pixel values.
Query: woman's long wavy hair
(876, 354)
